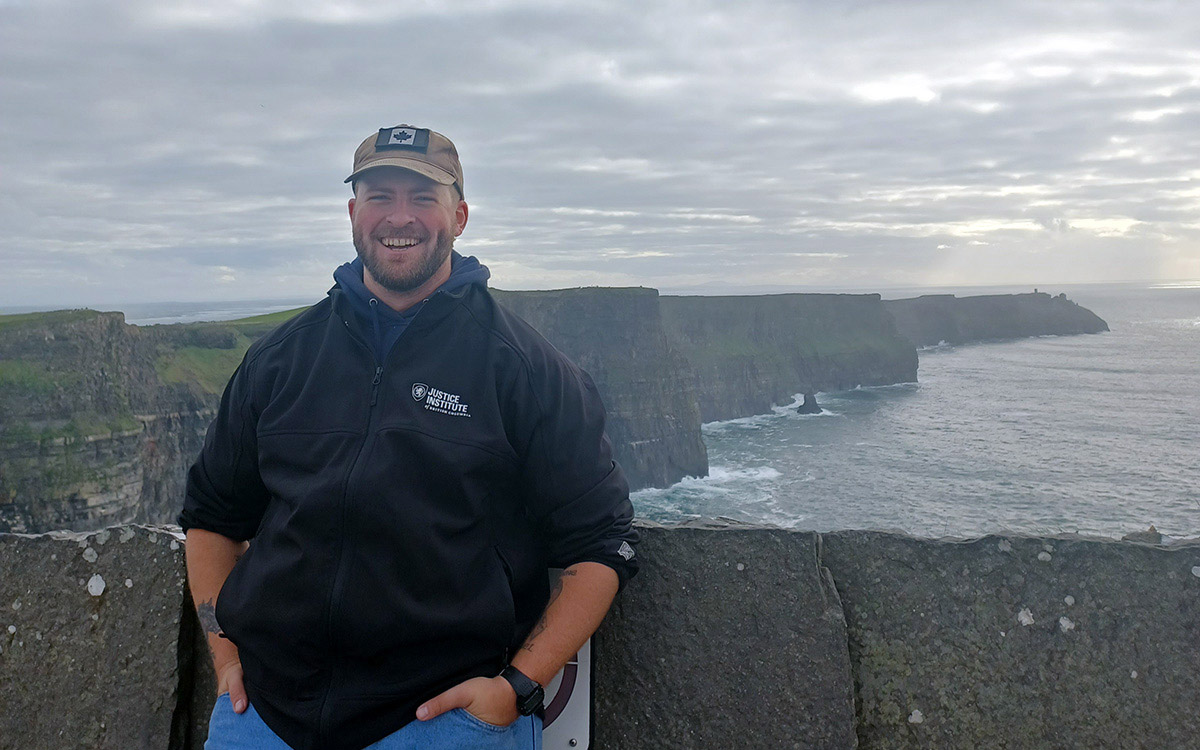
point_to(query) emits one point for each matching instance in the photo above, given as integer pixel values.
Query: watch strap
(529, 693)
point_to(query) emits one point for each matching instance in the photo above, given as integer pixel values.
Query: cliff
(936, 318)
(728, 637)
(99, 420)
(748, 353)
(617, 336)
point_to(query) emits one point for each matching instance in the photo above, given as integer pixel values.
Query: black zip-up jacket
(403, 513)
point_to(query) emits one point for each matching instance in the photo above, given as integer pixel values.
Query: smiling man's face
(404, 225)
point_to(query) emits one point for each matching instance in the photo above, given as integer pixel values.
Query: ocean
(1092, 434)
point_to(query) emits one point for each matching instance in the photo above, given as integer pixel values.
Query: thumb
(458, 696)
(237, 692)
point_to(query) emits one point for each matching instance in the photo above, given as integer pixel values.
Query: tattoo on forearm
(207, 613)
(533, 634)
(541, 623)
(558, 585)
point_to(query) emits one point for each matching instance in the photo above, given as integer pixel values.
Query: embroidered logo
(625, 551)
(440, 401)
(402, 135)
(402, 138)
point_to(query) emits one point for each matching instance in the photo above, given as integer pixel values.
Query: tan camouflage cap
(419, 150)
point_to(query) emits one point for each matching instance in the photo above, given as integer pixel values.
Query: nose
(400, 213)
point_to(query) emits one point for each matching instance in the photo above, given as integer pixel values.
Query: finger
(458, 696)
(237, 693)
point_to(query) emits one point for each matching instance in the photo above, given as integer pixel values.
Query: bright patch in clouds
(765, 142)
(915, 87)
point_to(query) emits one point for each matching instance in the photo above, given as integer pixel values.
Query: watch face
(532, 702)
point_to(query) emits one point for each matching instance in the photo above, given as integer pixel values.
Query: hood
(387, 324)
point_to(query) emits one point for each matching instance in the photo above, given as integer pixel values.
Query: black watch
(529, 694)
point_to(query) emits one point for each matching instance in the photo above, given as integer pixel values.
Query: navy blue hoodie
(388, 324)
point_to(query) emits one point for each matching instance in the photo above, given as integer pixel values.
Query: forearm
(578, 602)
(210, 558)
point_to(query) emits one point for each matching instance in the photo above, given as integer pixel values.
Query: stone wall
(729, 637)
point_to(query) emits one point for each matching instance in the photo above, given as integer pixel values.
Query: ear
(351, 207)
(460, 218)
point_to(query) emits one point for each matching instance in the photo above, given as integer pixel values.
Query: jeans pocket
(475, 721)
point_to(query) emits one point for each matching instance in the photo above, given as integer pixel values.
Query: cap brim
(423, 168)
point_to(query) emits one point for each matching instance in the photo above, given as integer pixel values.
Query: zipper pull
(375, 384)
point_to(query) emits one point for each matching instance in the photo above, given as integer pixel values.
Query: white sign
(569, 704)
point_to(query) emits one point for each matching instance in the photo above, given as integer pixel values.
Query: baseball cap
(419, 150)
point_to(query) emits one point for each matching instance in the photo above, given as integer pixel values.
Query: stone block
(90, 636)
(1013, 642)
(726, 638)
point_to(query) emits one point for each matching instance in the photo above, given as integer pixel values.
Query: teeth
(399, 241)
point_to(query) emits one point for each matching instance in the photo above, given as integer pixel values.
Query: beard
(408, 278)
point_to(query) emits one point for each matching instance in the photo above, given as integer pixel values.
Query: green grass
(43, 318)
(34, 377)
(91, 423)
(257, 325)
(207, 368)
(81, 425)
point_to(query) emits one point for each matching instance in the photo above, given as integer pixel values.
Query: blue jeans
(453, 730)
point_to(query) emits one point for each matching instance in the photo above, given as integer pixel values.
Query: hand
(229, 680)
(489, 699)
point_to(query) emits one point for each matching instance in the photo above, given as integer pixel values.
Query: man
(408, 458)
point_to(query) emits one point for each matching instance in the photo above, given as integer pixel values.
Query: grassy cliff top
(53, 317)
(206, 354)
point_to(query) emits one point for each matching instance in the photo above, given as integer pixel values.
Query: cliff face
(100, 420)
(936, 318)
(89, 434)
(617, 336)
(750, 352)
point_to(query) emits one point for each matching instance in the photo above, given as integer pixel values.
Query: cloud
(196, 150)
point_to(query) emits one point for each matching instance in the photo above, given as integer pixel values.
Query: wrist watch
(529, 693)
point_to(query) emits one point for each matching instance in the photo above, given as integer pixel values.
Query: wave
(939, 346)
(786, 411)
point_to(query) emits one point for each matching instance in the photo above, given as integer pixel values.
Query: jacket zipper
(339, 568)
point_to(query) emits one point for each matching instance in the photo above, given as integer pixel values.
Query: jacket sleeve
(225, 493)
(577, 493)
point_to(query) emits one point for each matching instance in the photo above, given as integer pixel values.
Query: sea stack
(810, 405)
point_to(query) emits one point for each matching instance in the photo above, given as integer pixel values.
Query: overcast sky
(196, 150)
